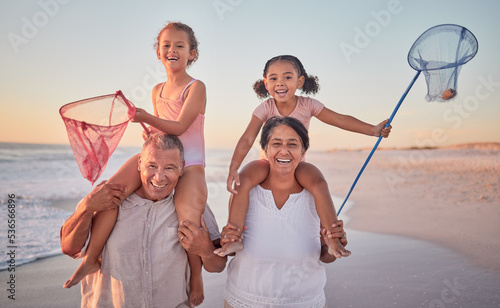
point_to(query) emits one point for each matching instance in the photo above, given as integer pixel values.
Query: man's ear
(139, 162)
(182, 168)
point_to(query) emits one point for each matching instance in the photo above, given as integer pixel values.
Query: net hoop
(462, 32)
(95, 126)
(63, 111)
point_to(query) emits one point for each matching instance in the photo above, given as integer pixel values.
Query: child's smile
(282, 81)
(174, 49)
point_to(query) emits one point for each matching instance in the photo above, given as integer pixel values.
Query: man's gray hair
(163, 141)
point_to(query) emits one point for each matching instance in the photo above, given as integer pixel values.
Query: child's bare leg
(312, 179)
(190, 200)
(251, 175)
(104, 221)
(102, 225)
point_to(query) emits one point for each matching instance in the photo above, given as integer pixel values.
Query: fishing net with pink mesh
(95, 126)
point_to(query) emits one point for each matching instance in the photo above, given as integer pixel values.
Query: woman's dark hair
(295, 124)
(311, 85)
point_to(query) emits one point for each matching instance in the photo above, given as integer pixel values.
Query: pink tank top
(193, 138)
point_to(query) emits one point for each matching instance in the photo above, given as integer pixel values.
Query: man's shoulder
(134, 200)
(211, 223)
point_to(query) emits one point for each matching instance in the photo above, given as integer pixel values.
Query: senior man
(143, 263)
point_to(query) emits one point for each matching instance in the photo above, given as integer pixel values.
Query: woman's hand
(337, 231)
(231, 233)
(233, 177)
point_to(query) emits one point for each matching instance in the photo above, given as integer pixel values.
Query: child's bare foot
(228, 248)
(335, 248)
(86, 267)
(196, 296)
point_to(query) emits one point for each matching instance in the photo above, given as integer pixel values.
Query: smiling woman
(285, 141)
(282, 242)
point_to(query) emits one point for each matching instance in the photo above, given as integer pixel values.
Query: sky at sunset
(55, 52)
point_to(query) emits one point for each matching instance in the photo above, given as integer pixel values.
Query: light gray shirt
(143, 263)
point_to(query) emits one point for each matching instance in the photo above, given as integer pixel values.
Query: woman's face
(284, 150)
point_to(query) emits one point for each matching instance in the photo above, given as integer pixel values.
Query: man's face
(160, 170)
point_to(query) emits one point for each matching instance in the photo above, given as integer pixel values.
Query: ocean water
(38, 175)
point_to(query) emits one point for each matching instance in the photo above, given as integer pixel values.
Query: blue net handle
(378, 141)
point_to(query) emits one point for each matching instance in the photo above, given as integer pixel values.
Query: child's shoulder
(267, 101)
(156, 89)
(311, 104)
(307, 100)
(195, 86)
(198, 84)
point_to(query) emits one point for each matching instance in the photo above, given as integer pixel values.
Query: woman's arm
(194, 104)
(352, 124)
(240, 152)
(338, 232)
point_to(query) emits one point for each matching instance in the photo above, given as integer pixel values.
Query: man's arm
(197, 240)
(75, 230)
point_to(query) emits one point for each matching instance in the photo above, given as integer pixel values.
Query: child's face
(174, 49)
(282, 80)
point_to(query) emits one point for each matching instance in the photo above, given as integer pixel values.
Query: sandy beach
(423, 229)
(448, 196)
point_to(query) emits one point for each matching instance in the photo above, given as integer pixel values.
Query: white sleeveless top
(279, 265)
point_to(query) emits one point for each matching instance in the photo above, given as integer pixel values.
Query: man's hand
(195, 240)
(75, 230)
(104, 197)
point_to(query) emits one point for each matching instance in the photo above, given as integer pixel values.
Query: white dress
(279, 265)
